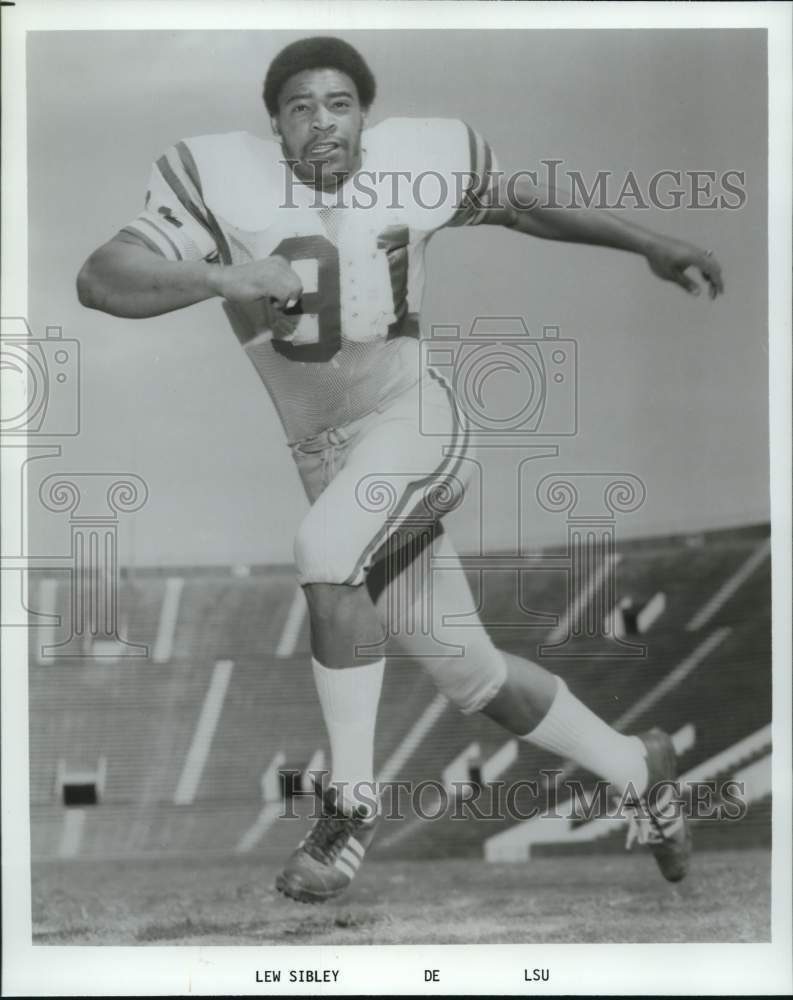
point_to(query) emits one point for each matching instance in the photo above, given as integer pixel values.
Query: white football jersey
(349, 345)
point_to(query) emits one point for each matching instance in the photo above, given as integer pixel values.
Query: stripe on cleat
(342, 865)
(359, 849)
(352, 859)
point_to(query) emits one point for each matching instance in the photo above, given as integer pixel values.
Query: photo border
(470, 969)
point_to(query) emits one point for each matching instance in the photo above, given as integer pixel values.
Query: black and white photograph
(396, 498)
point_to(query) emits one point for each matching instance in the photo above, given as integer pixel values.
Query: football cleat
(658, 820)
(327, 860)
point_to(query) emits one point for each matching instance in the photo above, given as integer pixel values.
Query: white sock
(572, 730)
(349, 699)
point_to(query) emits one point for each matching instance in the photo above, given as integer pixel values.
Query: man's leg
(537, 707)
(520, 695)
(641, 767)
(386, 474)
(342, 618)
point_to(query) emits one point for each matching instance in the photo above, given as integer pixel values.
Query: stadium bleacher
(167, 791)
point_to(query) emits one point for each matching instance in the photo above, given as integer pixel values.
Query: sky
(671, 389)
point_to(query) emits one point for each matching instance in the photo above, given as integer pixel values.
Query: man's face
(319, 121)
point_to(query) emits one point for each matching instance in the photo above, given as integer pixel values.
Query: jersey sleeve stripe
(191, 169)
(135, 236)
(187, 163)
(162, 234)
(473, 159)
(459, 217)
(484, 177)
(480, 165)
(178, 188)
(480, 196)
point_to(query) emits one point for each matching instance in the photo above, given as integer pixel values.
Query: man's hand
(271, 278)
(670, 259)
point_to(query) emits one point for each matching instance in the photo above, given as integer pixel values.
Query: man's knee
(322, 553)
(472, 680)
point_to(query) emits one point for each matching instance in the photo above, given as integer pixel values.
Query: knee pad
(322, 551)
(470, 681)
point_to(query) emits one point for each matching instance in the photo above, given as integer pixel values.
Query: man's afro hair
(321, 52)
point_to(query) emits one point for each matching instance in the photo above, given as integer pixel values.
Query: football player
(315, 243)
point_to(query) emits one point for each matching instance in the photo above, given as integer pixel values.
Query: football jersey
(350, 344)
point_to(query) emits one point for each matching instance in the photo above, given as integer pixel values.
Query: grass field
(231, 901)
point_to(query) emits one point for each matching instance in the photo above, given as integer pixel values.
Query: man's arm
(159, 262)
(125, 279)
(128, 280)
(526, 210)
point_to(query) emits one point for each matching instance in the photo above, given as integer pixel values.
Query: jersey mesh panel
(312, 396)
